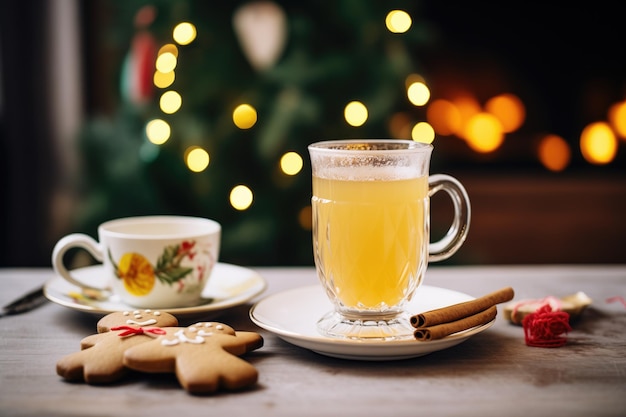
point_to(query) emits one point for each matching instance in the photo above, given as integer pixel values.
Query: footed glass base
(335, 325)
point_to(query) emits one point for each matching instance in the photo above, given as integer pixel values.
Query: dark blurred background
(77, 90)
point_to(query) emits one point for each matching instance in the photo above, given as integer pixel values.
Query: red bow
(544, 327)
(128, 330)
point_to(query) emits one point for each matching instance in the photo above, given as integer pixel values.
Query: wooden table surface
(491, 374)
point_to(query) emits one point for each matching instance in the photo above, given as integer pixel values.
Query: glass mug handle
(457, 233)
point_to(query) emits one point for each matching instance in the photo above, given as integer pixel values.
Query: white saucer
(228, 286)
(293, 314)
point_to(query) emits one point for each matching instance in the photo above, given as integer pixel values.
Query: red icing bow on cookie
(131, 331)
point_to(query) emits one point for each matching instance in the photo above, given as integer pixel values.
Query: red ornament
(143, 56)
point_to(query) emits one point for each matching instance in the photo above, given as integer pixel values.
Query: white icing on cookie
(181, 338)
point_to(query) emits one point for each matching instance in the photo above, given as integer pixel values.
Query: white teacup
(151, 261)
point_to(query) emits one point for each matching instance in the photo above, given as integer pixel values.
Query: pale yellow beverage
(371, 232)
(370, 239)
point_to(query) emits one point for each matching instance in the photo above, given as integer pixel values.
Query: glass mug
(371, 232)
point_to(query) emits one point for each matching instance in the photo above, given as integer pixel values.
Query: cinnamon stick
(461, 310)
(439, 331)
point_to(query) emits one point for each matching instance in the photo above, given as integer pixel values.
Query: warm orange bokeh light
(598, 143)
(444, 117)
(509, 109)
(483, 133)
(554, 153)
(170, 47)
(468, 107)
(617, 118)
(305, 218)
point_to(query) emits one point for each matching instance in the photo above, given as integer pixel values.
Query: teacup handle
(457, 233)
(75, 240)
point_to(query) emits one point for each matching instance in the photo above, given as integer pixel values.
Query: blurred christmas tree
(296, 65)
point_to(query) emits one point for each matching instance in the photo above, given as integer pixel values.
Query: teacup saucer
(292, 315)
(228, 286)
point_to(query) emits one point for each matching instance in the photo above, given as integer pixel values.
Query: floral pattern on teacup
(139, 275)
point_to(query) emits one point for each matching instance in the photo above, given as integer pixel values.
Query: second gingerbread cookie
(204, 356)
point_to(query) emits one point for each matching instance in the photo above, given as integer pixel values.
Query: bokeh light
(184, 33)
(167, 59)
(418, 93)
(305, 217)
(197, 159)
(164, 79)
(355, 113)
(509, 109)
(484, 133)
(617, 118)
(170, 102)
(158, 131)
(244, 116)
(554, 153)
(423, 132)
(467, 107)
(166, 62)
(398, 21)
(291, 163)
(168, 47)
(241, 197)
(444, 117)
(598, 143)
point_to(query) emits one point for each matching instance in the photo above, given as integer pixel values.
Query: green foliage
(168, 269)
(336, 52)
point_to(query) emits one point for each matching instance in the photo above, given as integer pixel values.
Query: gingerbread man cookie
(100, 359)
(204, 356)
